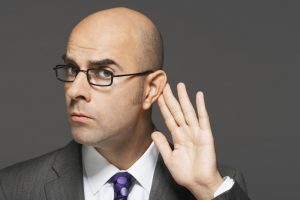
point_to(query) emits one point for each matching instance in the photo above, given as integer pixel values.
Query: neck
(125, 151)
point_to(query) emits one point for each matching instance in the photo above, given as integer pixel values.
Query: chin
(82, 140)
(88, 137)
(83, 137)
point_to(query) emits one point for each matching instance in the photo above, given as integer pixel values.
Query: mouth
(79, 117)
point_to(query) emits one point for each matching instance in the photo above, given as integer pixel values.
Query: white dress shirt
(97, 171)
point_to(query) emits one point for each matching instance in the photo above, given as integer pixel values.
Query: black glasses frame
(88, 78)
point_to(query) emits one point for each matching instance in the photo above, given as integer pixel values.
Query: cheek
(111, 106)
(115, 108)
(67, 98)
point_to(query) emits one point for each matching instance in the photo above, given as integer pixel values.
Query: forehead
(121, 47)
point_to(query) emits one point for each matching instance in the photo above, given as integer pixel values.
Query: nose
(79, 88)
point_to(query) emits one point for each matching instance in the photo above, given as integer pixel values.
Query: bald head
(124, 27)
(116, 41)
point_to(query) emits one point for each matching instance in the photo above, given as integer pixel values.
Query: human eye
(71, 69)
(103, 73)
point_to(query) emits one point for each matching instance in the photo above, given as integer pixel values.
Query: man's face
(110, 110)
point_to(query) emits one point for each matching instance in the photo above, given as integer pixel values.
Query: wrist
(206, 190)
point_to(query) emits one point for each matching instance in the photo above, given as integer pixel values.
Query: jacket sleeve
(235, 193)
(238, 190)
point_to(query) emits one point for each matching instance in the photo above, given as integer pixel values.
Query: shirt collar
(98, 170)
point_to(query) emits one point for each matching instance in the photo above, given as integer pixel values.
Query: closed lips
(79, 115)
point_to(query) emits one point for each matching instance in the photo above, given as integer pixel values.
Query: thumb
(162, 144)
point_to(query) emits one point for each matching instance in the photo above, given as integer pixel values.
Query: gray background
(243, 54)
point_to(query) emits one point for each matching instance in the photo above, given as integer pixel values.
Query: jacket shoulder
(29, 167)
(26, 179)
(19, 179)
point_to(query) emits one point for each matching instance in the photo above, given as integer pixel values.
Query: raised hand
(192, 163)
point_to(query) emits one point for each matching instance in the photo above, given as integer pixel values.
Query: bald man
(112, 75)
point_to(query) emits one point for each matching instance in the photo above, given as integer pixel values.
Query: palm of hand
(193, 159)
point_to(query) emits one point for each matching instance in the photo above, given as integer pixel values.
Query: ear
(153, 87)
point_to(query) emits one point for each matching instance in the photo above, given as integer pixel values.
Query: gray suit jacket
(58, 176)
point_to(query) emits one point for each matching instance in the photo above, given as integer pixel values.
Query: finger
(167, 116)
(162, 145)
(202, 112)
(173, 106)
(186, 105)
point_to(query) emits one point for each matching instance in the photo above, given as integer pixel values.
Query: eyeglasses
(98, 76)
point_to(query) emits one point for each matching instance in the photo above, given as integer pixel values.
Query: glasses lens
(66, 73)
(101, 77)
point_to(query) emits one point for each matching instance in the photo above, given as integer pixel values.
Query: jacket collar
(66, 179)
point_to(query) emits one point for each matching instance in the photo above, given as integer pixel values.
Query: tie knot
(122, 184)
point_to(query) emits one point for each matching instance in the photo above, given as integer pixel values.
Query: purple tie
(122, 184)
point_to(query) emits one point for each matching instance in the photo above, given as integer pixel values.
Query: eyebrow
(104, 62)
(99, 63)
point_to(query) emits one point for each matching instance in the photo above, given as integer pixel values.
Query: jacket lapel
(164, 186)
(66, 180)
